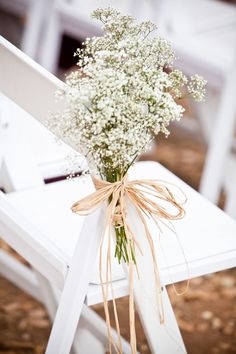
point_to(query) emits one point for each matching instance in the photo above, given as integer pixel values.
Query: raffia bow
(152, 198)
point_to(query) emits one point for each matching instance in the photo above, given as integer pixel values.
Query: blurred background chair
(203, 34)
(34, 15)
(73, 18)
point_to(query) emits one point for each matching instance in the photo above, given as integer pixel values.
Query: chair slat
(17, 72)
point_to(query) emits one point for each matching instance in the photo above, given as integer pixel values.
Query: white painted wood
(74, 292)
(87, 343)
(205, 114)
(35, 20)
(230, 206)
(51, 44)
(44, 158)
(164, 337)
(91, 321)
(221, 141)
(47, 294)
(17, 172)
(200, 239)
(51, 158)
(15, 64)
(73, 18)
(203, 34)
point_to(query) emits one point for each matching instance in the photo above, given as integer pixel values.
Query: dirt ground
(206, 313)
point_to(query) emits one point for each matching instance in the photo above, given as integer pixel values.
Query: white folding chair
(73, 18)
(39, 225)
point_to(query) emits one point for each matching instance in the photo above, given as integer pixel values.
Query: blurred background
(201, 148)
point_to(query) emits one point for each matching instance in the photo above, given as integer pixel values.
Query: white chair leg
(205, 114)
(33, 27)
(48, 296)
(162, 338)
(91, 321)
(220, 143)
(76, 286)
(51, 43)
(86, 343)
(230, 206)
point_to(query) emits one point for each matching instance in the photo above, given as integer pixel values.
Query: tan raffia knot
(151, 198)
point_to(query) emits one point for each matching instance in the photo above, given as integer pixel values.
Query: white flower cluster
(196, 87)
(123, 93)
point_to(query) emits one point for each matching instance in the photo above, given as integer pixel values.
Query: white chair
(73, 19)
(203, 34)
(39, 225)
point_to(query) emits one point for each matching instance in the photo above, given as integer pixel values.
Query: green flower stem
(121, 250)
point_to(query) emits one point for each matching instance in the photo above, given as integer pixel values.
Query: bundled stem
(121, 250)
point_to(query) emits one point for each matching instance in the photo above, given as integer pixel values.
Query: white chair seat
(50, 207)
(211, 245)
(210, 242)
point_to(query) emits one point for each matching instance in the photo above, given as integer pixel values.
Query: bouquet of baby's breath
(123, 94)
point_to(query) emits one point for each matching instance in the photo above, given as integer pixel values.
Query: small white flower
(123, 92)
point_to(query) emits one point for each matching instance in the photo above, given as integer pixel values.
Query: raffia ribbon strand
(149, 197)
